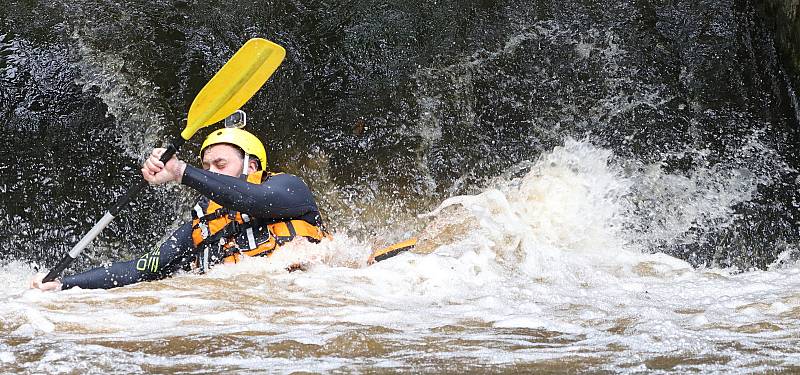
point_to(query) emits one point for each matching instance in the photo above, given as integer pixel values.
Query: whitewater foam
(545, 266)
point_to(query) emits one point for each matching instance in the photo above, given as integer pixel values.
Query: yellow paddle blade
(390, 251)
(234, 84)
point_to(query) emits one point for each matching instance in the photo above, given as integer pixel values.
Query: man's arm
(170, 257)
(280, 197)
(283, 196)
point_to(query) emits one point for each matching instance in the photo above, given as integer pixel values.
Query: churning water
(597, 186)
(546, 270)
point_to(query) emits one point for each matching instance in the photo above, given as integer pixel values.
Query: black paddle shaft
(132, 192)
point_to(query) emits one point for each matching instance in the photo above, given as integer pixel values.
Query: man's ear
(253, 167)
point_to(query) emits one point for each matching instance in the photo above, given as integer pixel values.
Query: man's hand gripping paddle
(228, 90)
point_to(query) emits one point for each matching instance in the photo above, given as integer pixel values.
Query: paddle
(390, 251)
(233, 85)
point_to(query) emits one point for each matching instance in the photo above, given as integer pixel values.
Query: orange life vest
(231, 234)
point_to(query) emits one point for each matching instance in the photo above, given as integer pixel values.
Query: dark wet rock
(783, 17)
(406, 102)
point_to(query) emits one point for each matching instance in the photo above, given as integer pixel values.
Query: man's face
(224, 159)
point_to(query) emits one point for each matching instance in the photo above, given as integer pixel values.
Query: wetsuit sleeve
(282, 196)
(170, 257)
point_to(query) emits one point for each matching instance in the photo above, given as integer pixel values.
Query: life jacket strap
(280, 233)
(251, 239)
(220, 212)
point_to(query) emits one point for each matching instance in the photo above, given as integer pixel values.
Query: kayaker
(245, 210)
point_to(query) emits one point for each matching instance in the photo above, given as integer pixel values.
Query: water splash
(546, 265)
(134, 102)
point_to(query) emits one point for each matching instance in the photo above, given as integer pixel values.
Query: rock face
(388, 108)
(785, 18)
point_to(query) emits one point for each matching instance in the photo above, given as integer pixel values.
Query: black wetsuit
(278, 198)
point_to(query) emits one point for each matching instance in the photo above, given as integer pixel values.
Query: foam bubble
(7, 357)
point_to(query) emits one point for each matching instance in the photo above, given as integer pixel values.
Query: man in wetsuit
(244, 211)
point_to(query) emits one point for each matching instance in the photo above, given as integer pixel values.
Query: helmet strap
(246, 165)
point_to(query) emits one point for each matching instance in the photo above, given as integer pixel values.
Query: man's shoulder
(281, 178)
(278, 175)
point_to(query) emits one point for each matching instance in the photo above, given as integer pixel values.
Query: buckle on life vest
(214, 253)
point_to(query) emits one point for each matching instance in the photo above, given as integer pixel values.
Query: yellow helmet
(240, 138)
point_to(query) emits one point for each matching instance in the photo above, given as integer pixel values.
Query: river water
(597, 187)
(518, 278)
